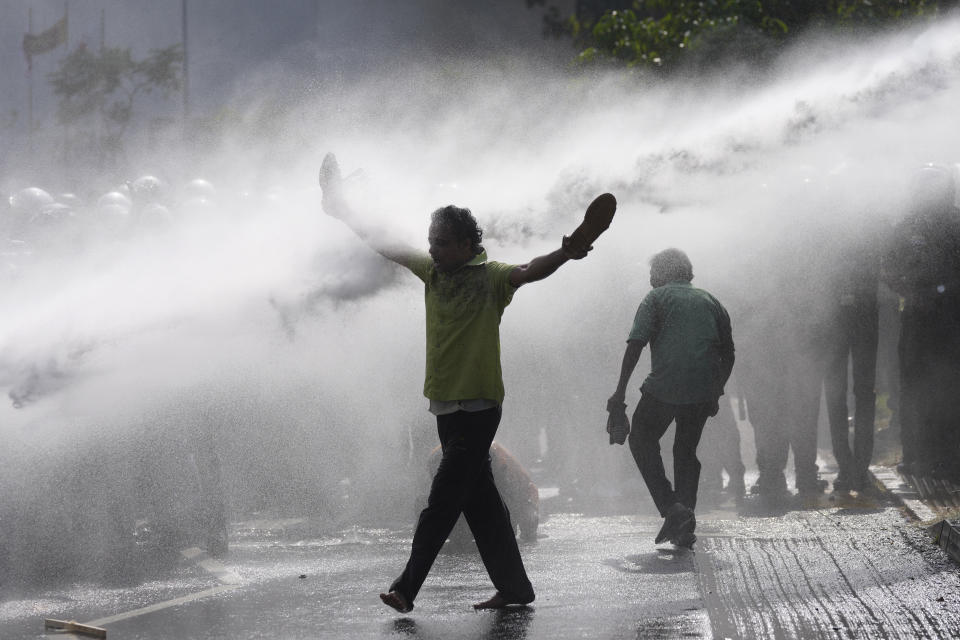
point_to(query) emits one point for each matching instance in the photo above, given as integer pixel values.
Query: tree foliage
(666, 33)
(100, 87)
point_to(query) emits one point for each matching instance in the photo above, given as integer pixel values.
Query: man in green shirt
(691, 357)
(465, 296)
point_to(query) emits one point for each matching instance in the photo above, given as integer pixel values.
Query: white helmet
(30, 201)
(114, 200)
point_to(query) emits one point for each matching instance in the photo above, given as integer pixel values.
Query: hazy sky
(228, 38)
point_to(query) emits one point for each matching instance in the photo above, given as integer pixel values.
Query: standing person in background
(465, 296)
(851, 338)
(721, 452)
(784, 361)
(692, 355)
(923, 266)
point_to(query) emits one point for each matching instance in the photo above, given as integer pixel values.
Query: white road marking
(99, 622)
(211, 566)
(228, 582)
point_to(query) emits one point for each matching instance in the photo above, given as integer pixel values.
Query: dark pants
(721, 449)
(464, 484)
(929, 352)
(854, 338)
(784, 404)
(650, 421)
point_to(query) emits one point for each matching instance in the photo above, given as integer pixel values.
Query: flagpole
(66, 51)
(186, 74)
(30, 87)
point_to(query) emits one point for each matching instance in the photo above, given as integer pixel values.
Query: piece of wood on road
(74, 627)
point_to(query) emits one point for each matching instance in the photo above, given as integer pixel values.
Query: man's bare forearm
(545, 265)
(538, 268)
(631, 356)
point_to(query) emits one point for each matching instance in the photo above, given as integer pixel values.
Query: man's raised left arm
(544, 266)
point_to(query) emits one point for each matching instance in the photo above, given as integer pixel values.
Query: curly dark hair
(462, 223)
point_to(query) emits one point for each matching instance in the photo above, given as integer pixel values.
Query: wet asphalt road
(847, 568)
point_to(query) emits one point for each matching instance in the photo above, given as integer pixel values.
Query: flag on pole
(35, 44)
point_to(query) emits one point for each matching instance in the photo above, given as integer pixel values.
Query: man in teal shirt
(465, 295)
(691, 357)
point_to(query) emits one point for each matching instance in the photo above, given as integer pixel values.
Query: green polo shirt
(691, 346)
(463, 327)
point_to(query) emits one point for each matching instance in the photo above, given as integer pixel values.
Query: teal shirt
(691, 343)
(463, 327)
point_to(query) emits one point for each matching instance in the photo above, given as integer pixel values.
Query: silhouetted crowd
(819, 330)
(810, 326)
(922, 265)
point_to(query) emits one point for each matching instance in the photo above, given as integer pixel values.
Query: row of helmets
(146, 197)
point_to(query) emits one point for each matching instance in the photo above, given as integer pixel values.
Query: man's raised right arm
(336, 206)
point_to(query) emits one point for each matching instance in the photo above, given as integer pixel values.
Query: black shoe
(773, 484)
(811, 487)
(736, 487)
(683, 537)
(771, 496)
(685, 540)
(677, 520)
(843, 483)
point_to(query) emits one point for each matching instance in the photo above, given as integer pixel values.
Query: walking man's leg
(650, 421)
(465, 440)
(493, 531)
(686, 467)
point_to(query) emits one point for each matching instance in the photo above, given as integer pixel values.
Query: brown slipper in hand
(595, 221)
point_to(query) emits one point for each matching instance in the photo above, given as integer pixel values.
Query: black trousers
(721, 449)
(783, 400)
(853, 338)
(650, 421)
(929, 351)
(464, 484)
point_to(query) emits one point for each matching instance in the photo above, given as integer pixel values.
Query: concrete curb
(945, 533)
(903, 493)
(947, 537)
